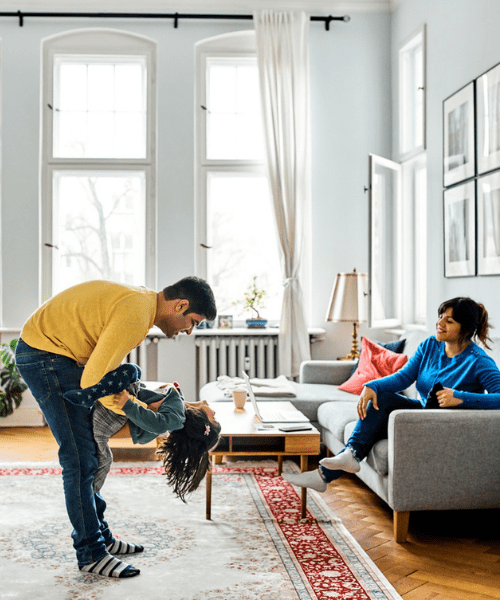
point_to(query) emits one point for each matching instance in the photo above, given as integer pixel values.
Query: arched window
(98, 159)
(235, 231)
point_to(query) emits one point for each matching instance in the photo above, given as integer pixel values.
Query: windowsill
(315, 333)
(403, 329)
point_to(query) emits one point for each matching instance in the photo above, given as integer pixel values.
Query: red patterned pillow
(375, 362)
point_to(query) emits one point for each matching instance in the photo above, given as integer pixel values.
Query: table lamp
(348, 304)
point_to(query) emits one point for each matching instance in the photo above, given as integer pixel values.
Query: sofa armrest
(444, 459)
(334, 372)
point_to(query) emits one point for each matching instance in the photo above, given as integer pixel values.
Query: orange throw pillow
(375, 362)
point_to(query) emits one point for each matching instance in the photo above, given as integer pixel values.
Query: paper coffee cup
(239, 399)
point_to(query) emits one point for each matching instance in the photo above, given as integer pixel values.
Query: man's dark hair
(197, 292)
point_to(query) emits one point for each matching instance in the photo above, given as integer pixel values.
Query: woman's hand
(366, 395)
(446, 399)
(119, 400)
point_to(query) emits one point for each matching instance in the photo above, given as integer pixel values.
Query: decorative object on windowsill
(11, 384)
(225, 322)
(348, 304)
(253, 301)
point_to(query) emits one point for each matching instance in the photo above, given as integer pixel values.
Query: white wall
(350, 93)
(463, 42)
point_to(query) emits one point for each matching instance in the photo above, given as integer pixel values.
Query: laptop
(272, 415)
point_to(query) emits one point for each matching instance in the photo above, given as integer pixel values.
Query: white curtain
(283, 59)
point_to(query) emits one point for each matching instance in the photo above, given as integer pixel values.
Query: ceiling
(321, 7)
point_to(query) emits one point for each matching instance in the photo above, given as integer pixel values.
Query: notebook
(272, 415)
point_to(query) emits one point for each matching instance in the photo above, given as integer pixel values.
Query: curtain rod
(21, 15)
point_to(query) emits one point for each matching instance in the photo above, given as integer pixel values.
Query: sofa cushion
(398, 347)
(375, 362)
(336, 416)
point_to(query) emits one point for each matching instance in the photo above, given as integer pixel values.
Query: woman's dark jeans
(372, 428)
(48, 376)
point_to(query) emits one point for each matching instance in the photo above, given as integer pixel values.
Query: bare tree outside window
(99, 228)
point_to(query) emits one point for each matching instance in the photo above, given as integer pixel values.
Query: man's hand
(366, 395)
(446, 399)
(119, 400)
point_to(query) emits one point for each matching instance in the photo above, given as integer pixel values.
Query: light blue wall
(351, 117)
(463, 42)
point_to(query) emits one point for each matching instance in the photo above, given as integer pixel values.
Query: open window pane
(234, 127)
(385, 256)
(98, 227)
(412, 95)
(243, 242)
(97, 104)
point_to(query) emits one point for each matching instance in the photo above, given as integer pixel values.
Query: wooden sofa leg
(401, 522)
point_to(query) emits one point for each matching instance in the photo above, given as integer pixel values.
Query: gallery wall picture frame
(459, 161)
(488, 120)
(459, 205)
(488, 224)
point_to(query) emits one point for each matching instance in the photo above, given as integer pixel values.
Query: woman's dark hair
(185, 451)
(199, 294)
(472, 316)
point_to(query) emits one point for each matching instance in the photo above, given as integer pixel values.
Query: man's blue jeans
(372, 428)
(48, 376)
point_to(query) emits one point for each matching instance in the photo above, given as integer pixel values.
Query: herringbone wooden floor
(451, 555)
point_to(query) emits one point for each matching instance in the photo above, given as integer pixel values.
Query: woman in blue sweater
(451, 358)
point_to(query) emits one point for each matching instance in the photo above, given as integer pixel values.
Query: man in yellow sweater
(72, 341)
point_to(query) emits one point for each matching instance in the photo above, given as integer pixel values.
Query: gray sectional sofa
(432, 460)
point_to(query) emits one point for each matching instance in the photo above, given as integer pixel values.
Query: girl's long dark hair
(185, 451)
(473, 318)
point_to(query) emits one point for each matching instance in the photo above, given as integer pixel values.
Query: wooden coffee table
(239, 437)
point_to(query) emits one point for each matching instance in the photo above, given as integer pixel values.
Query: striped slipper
(109, 566)
(119, 547)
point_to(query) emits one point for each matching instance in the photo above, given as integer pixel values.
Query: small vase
(256, 323)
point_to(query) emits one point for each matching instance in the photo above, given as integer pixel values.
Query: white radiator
(139, 356)
(230, 355)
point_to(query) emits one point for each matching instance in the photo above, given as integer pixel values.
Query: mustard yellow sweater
(96, 324)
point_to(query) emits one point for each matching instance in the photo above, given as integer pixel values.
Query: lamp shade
(348, 302)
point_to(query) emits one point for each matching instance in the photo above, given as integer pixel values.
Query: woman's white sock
(310, 479)
(345, 461)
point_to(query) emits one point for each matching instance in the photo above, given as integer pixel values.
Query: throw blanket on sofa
(278, 388)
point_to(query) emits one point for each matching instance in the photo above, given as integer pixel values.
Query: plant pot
(256, 323)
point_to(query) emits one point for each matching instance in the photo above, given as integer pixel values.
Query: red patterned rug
(256, 547)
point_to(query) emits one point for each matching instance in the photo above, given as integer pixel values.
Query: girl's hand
(446, 399)
(119, 400)
(366, 395)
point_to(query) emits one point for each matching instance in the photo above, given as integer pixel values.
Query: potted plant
(253, 302)
(12, 385)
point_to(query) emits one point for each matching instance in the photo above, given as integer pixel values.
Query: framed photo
(458, 131)
(225, 322)
(488, 224)
(460, 231)
(488, 120)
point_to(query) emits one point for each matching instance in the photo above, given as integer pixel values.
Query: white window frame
(376, 277)
(409, 93)
(99, 42)
(414, 249)
(240, 45)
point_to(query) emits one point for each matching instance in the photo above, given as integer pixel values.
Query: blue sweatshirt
(469, 374)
